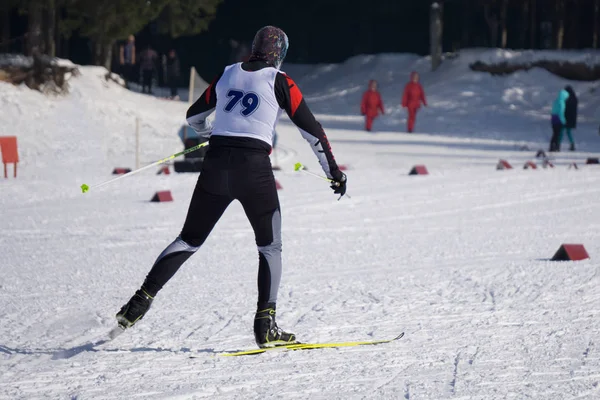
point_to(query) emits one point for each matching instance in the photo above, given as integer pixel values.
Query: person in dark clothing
(148, 59)
(127, 60)
(171, 68)
(570, 116)
(247, 98)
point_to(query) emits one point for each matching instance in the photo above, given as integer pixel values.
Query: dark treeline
(211, 33)
(522, 24)
(58, 27)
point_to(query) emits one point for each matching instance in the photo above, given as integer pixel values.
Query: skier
(171, 72)
(412, 98)
(148, 59)
(371, 105)
(248, 98)
(558, 119)
(127, 60)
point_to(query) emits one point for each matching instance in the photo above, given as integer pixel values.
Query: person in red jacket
(371, 105)
(412, 98)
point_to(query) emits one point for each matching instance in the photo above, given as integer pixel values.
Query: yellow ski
(309, 346)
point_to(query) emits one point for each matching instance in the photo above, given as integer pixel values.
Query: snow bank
(462, 102)
(92, 129)
(589, 57)
(16, 60)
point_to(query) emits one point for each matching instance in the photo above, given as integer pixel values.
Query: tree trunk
(97, 51)
(57, 35)
(50, 28)
(524, 19)
(493, 24)
(572, 17)
(441, 33)
(34, 28)
(435, 39)
(573, 23)
(365, 29)
(503, 22)
(5, 31)
(560, 15)
(466, 23)
(107, 54)
(596, 24)
(533, 25)
(103, 51)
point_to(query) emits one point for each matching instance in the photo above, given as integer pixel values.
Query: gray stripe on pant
(176, 246)
(272, 253)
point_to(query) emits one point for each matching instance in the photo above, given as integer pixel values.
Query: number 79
(249, 101)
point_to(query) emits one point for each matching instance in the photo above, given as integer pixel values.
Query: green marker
(298, 167)
(84, 188)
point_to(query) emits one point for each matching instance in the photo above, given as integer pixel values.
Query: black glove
(338, 183)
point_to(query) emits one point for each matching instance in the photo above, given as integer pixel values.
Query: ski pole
(85, 188)
(300, 167)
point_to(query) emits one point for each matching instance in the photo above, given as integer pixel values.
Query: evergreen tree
(105, 22)
(187, 17)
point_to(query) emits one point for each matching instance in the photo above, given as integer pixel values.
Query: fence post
(137, 142)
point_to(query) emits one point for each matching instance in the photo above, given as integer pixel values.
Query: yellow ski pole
(85, 188)
(300, 167)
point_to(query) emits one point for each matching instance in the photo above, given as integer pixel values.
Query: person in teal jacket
(559, 120)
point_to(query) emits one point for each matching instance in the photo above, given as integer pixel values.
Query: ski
(310, 346)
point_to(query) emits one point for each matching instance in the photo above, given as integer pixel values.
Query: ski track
(485, 315)
(458, 259)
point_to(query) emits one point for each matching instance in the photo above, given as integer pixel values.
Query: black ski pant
(147, 75)
(173, 87)
(229, 174)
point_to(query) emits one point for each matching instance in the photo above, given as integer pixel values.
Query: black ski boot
(266, 331)
(572, 148)
(135, 309)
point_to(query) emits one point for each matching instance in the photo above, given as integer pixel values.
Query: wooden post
(137, 142)
(191, 86)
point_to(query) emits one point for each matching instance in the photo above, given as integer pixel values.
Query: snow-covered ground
(457, 259)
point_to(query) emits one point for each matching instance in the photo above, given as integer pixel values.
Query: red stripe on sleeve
(295, 95)
(209, 90)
